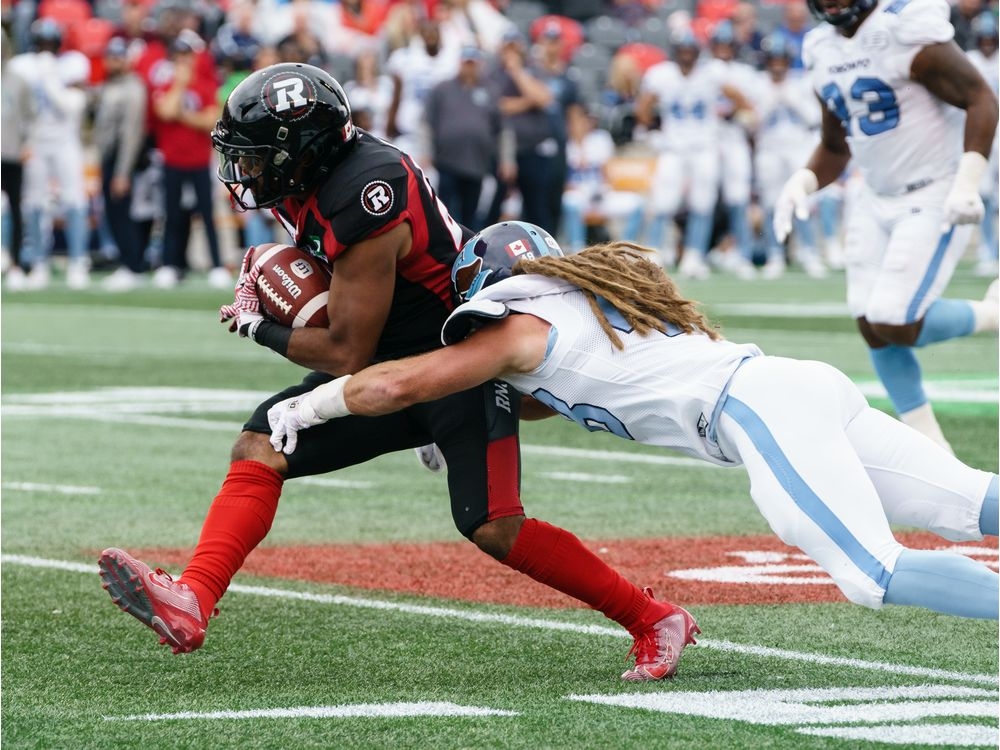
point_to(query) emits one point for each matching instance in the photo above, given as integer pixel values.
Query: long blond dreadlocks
(622, 273)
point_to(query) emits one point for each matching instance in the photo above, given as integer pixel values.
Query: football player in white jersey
(604, 339)
(687, 96)
(787, 132)
(895, 86)
(984, 57)
(56, 152)
(735, 162)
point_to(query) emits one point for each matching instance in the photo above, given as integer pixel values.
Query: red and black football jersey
(374, 188)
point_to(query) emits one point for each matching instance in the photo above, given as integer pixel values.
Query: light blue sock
(739, 226)
(805, 233)
(989, 516)
(898, 369)
(829, 216)
(944, 582)
(77, 233)
(633, 226)
(657, 230)
(774, 248)
(946, 319)
(698, 232)
(989, 228)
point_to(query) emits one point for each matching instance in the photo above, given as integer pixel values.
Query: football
(293, 286)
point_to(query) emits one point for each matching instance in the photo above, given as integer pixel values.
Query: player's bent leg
(920, 484)
(785, 420)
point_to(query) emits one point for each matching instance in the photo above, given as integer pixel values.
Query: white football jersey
(742, 77)
(59, 106)
(419, 73)
(688, 104)
(787, 113)
(661, 389)
(901, 136)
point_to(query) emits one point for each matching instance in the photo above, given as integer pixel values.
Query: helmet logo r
(377, 197)
(288, 97)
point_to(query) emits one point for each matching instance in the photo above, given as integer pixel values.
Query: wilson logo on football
(377, 197)
(288, 97)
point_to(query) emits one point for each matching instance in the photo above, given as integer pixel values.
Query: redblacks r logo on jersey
(288, 97)
(377, 197)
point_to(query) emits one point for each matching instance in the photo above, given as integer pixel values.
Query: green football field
(118, 415)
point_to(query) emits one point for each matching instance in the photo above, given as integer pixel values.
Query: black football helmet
(842, 16)
(282, 130)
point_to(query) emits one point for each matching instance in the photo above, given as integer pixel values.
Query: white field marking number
(795, 569)
(882, 714)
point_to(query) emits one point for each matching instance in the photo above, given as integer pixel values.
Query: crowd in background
(670, 122)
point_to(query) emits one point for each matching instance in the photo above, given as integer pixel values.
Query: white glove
(246, 304)
(431, 458)
(319, 406)
(963, 204)
(793, 202)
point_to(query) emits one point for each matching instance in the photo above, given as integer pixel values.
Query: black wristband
(272, 335)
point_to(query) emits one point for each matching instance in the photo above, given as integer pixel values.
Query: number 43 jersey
(661, 389)
(901, 136)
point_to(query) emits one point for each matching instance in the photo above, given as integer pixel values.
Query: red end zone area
(695, 570)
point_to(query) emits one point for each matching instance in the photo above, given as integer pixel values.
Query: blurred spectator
(186, 105)
(747, 34)
(632, 12)
(787, 134)
(552, 69)
(16, 115)
(364, 16)
(415, 70)
(526, 102)
(465, 131)
(963, 14)
(235, 45)
(984, 57)
(56, 153)
(370, 90)
(400, 27)
(304, 35)
(617, 99)
(736, 169)
(119, 126)
(686, 95)
(475, 23)
(794, 25)
(589, 199)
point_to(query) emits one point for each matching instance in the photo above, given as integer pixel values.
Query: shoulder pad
(918, 23)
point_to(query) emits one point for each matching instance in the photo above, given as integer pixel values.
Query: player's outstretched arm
(515, 344)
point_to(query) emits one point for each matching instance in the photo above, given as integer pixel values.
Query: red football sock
(557, 558)
(238, 520)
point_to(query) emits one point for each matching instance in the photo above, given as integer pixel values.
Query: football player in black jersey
(287, 142)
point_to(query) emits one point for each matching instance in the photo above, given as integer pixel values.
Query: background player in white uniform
(687, 96)
(787, 132)
(56, 152)
(604, 339)
(588, 151)
(895, 84)
(984, 57)
(735, 162)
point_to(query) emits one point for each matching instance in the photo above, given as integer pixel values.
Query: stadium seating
(607, 31)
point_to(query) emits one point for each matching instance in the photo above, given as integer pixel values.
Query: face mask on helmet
(281, 132)
(842, 16)
(490, 255)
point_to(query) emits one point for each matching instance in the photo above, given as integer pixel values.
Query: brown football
(293, 286)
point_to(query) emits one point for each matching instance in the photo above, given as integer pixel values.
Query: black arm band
(274, 336)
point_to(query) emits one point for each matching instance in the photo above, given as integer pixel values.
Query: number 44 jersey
(901, 136)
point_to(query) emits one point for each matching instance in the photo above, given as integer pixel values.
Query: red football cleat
(658, 649)
(154, 599)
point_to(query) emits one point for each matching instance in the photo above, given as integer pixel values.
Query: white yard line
(471, 615)
(363, 710)
(62, 489)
